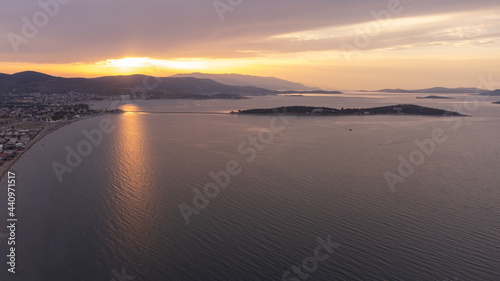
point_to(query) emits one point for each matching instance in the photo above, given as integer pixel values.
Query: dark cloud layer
(94, 30)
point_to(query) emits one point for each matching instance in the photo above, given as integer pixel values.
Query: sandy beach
(47, 130)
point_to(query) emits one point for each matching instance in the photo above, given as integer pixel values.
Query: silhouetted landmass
(436, 90)
(400, 109)
(271, 83)
(312, 92)
(435, 97)
(140, 86)
(492, 93)
(217, 96)
(152, 87)
(498, 102)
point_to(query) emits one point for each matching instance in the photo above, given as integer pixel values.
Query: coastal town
(24, 116)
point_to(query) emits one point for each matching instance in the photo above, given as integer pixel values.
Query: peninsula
(400, 109)
(27, 118)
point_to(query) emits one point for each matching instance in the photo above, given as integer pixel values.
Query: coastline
(49, 129)
(398, 109)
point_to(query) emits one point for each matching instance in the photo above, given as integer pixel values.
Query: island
(435, 97)
(400, 109)
(498, 102)
(436, 90)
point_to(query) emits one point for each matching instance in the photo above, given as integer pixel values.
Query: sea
(181, 190)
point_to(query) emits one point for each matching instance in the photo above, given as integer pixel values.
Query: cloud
(95, 30)
(460, 29)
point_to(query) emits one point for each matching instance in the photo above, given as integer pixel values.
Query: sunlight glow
(133, 64)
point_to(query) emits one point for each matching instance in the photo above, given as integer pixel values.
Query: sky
(332, 44)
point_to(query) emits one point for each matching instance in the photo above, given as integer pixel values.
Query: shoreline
(398, 109)
(48, 130)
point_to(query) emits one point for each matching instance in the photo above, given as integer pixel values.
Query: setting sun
(137, 65)
(250, 140)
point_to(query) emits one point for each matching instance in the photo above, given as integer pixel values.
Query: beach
(46, 131)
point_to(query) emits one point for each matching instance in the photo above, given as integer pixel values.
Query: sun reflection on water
(134, 190)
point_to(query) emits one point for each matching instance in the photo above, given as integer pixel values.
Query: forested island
(400, 109)
(434, 97)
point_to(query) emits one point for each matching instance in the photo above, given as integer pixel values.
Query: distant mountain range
(436, 90)
(179, 86)
(492, 93)
(271, 83)
(167, 87)
(312, 92)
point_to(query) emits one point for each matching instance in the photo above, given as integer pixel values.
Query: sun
(126, 64)
(137, 65)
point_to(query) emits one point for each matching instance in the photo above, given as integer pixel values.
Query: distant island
(436, 90)
(400, 109)
(492, 93)
(435, 97)
(498, 102)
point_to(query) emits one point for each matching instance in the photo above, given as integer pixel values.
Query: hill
(312, 92)
(271, 83)
(166, 87)
(492, 93)
(436, 90)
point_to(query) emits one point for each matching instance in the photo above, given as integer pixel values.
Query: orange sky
(334, 45)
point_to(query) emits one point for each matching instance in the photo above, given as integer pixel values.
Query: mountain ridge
(271, 83)
(492, 93)
(157, 87)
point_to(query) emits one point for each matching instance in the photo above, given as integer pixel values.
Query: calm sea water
(116, 215)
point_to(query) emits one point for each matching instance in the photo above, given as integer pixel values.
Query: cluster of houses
(68, 98)
(12, 142)
(37, 107)
(44, 107)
